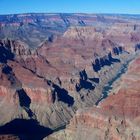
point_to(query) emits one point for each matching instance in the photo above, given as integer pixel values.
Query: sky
(70, 6)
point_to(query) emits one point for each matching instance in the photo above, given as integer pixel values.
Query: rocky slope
(115, 118)
(68, 69)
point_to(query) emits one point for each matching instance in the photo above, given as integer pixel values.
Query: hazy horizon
(71, 13)
(63, 6)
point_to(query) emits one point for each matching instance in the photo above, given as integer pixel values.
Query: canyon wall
(48, 79)
(115, 118)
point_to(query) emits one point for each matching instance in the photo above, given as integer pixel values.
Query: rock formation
(115, 118)
(63, 67)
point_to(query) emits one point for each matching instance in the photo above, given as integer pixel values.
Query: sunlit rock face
(116, 117)
(48, 75)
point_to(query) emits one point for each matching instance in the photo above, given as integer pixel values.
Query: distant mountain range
(33, 29)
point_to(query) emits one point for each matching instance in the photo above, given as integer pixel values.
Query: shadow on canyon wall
(25, 129)
(5, 54)
(62, 95)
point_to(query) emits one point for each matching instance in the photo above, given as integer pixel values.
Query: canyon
(115, 118)
(69, 76)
